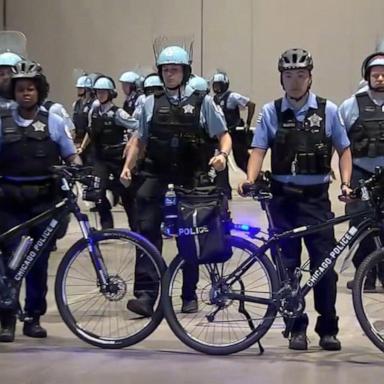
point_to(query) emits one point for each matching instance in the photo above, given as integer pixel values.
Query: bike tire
(369, 305)
(178, 321)
(77, 261)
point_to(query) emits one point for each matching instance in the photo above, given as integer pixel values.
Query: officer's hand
(345, 196)
(241, 185)
(247, 128)
(126, 176)
(218, 162)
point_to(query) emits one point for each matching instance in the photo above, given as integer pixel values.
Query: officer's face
(26, 94)
(5, 76)
(127, 88)
(172, 75)
(217, 87)
(377, 77)
(296, 82)
(102, 95)
(80, 92)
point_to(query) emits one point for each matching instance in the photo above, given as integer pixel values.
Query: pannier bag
(202, 236)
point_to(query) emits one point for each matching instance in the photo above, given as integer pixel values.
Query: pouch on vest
(202, 234)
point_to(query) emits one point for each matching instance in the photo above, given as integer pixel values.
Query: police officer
(363, 117)
(129, 81)
(110, 128)
(231, 103)
(301, 129)
(172, 156)
(79, 116)
(7, 61)
(85, 150)
(31, 141)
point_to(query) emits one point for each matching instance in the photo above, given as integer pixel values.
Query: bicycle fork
(94, 252)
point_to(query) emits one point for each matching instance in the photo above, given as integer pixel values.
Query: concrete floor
(62, 358)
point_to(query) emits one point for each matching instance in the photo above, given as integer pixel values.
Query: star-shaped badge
(188, 108)
(315, 120)
(38, 126)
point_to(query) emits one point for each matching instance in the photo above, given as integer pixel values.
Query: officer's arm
(225, 143)
(73, 160)
(255, 163)
(123, 119)
(251, 111)
(136, 147)
(345, 165)
(84, 143)
(219, 161)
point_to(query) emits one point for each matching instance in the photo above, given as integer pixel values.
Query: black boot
(142, 306)
(330, 343)
(32, 328)
(190, 306)
(7, 331)
(298, 341)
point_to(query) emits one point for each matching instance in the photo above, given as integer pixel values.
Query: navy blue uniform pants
(367, 246)
(149, 200)
(312, 206)
(14, 213)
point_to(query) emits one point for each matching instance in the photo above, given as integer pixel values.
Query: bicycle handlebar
(78, 173)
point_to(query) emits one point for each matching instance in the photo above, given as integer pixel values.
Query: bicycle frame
(54, 215)
(352, 237)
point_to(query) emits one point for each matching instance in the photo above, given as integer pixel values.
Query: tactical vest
(108, 137)
(177, 144)
(80, 120)
(129, 103)
(301, 148)
(27, 151)
(48, 104)
(367, 132)
(232, 116)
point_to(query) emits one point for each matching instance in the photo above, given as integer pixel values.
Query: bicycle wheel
(369, 302)
(221, 325)
(97, 313)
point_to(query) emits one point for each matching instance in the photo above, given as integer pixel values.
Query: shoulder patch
(259, 118)
(123, 114)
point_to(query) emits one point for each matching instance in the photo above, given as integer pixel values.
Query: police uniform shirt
(211, 116)
(57, 132)
(59, 110)
(236, 100)
(348, 114)
(139, 107)
(122, 118)
(6, 104)
(267, 125)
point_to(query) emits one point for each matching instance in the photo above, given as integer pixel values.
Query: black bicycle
(95, 279)
(240, 299)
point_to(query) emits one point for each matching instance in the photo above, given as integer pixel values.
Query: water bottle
(170, 210)
(21, 250)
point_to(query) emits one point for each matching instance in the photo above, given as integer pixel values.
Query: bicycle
(240, 299)
(94, 279)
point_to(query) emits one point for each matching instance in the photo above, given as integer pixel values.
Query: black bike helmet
(295, 58)
(26, 69)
